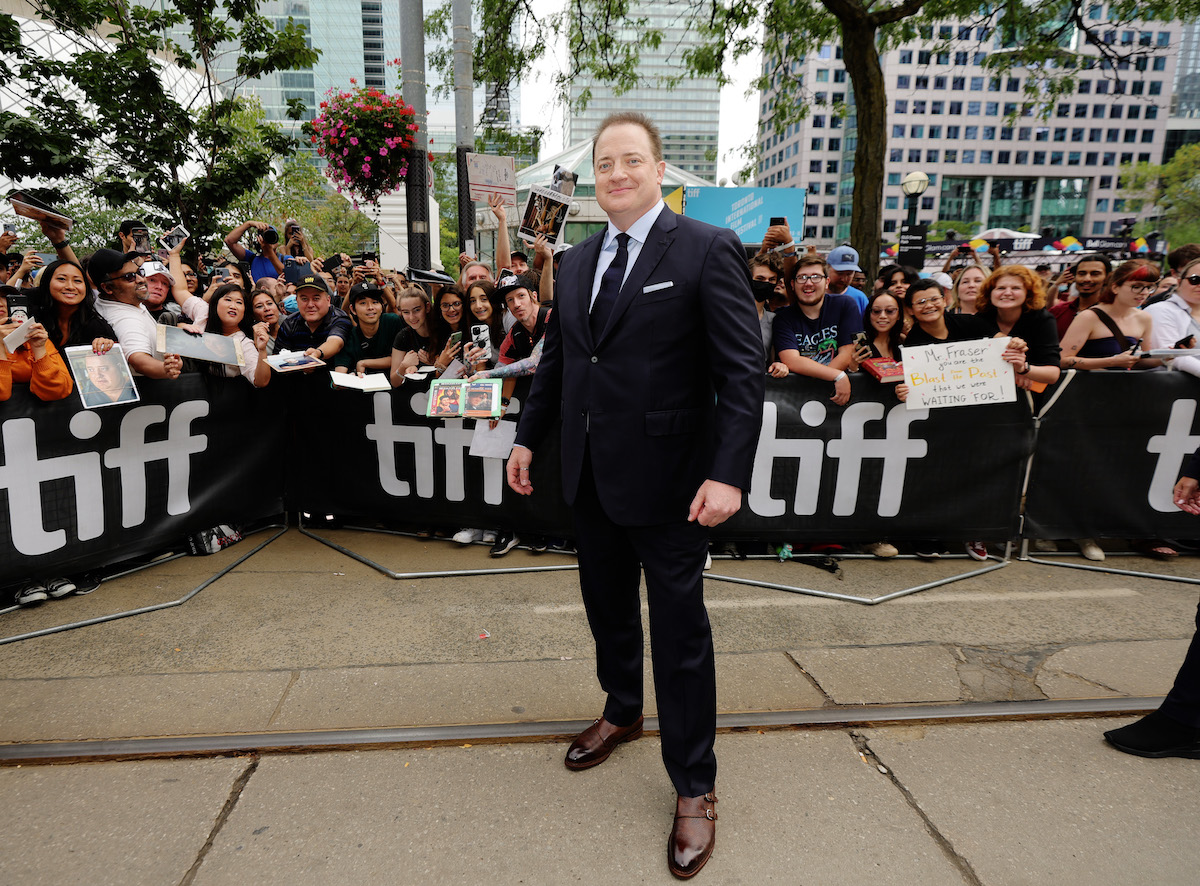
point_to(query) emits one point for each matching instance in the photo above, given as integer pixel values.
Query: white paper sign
(18, 336)
(372, 381)
(963, 373)
(488, 175)
(498, 443)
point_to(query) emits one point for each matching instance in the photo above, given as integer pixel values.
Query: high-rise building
(357, 39)
(991, 164)
(688, 116)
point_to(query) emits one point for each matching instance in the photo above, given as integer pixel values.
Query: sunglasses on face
(1192, 279)
(933, 299)
(130, 277)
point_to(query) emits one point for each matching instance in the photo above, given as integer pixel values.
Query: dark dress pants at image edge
(681, 639)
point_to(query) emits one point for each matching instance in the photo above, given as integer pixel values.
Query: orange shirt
(47, 378)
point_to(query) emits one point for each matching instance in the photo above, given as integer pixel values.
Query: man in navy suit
(653, 364)
(1174, 729)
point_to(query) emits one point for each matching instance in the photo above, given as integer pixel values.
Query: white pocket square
(654, 287)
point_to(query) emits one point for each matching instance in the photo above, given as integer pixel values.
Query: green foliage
(1047, 42)
(1171, 190)
(106, 123)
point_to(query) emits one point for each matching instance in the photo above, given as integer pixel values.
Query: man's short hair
(771, 261)
(636, 119)
(130, 225)
(807, 261)
(1184, 255)
(1094, 256)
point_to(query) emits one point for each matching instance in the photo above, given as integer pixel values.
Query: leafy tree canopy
(1171, 191)
(1049, 43)
(116, 121)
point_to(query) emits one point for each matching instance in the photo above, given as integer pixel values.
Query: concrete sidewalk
(1010, 803)
(303, 638)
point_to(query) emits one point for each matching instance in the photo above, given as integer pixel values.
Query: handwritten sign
(962, 373)
(487, 175)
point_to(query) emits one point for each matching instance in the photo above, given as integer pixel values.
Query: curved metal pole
(282, 527)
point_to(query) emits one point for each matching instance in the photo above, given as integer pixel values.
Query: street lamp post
(913, 186)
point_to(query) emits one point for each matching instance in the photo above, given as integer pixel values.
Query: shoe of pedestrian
(1157, 735)
(1089, 548)
(977, 550)
(927, 551)
(1045, 545)
(505, 542)
(693, 835)
(489, 536)
(594, 745)
(468, 536)
(30, 593)
(880, 549)
(85, 584)
(59, 587)
(539, 544)
(707, 561)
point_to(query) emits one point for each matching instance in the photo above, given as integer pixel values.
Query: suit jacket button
(595, 359)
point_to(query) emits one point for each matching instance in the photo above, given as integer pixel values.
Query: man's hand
(715, 502)
(496, 204)
(518, 472)
(7, 240)
(1186, 494)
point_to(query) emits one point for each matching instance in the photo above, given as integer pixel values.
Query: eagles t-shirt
(818, 339)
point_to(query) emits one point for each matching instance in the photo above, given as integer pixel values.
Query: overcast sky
(739, 113)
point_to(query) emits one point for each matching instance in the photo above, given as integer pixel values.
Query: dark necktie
(610, 285)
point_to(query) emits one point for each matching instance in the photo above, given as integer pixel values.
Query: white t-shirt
(134, 326)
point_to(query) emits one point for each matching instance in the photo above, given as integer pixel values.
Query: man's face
(765, 274)
(809, 284)
(478, 272)
(1089, 277)
(858, 279)
(313, 305)
(628, 179)
(839, 280)
(100, 372)
(343, 283)
(521, 305)
(367, 310)
(157, 290)
(518, 265)
(127, 284)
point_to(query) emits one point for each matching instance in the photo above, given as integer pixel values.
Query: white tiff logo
(850, 450)
(24, 472)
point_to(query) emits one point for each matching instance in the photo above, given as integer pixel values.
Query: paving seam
(235, 794)
(957, 859)
(502, 733)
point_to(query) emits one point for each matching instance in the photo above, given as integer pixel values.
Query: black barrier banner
(1109, 451)
(871, 470)
(80, 489)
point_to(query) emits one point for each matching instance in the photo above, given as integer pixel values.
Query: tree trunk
(861, 58)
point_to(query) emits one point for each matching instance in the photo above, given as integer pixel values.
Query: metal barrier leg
(999, 563)
(1110, 570)
(399, 576)
(282, 527)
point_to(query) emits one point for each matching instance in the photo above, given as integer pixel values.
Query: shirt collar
(639, 230)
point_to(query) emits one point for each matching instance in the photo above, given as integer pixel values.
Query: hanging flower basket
(363, 135)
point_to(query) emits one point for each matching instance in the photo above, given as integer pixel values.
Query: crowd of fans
(819, 317)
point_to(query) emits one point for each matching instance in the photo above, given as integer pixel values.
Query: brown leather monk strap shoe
(693, 835)
(594, 744)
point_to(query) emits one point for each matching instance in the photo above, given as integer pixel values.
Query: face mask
(762, 289)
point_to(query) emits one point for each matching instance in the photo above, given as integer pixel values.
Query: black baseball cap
(312, 281)
(508, 282)
(106, 262)
(366, 289)
(518, 254)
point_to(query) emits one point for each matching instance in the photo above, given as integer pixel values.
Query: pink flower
(383, 152)
(353, 140)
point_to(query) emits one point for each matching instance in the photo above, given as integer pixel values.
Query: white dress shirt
(638, 232)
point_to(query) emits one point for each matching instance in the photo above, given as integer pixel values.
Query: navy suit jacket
(670, 393)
